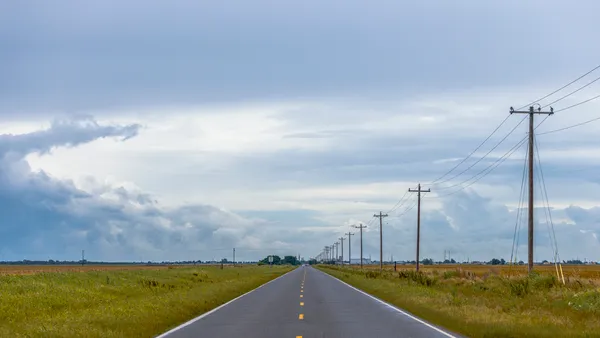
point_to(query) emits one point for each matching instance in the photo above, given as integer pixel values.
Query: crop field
(116, 301)
(488, 300)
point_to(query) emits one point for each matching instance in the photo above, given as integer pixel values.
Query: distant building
(357, 261)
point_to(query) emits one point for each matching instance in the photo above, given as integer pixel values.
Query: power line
(577, 124)
(485, 171)
(486, 168)
(491, 167)
(559, 89)
(569, 127)
(473, 152)
(571, 93)
(407, 208)
(486, 154)
(578, 104)
(398, 205)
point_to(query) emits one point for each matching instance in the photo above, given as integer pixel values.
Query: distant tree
(312, 261)
(427, 261)
(276, 260)
(495, 261)
(292, 260)
(574, 261)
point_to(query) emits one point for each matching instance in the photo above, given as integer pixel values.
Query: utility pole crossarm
(532, 111)
(419, 190)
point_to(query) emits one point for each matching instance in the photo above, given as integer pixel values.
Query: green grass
(135, 303)
(493, 306)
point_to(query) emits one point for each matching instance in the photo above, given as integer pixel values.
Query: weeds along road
(306, 303)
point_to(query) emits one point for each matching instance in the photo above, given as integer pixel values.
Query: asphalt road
(306, 303)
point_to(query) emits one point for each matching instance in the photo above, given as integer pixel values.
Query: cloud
(66, 133)
(45, 217)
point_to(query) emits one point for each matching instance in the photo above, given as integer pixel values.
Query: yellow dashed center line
(301, 316)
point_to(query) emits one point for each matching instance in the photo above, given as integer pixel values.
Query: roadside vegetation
(487, 304)
(121, 303)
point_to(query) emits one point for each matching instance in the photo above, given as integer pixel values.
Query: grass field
(113, 302)
(483, 301)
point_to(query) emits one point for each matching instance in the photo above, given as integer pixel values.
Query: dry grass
(588, 272)
(484, 301)
(116, 302)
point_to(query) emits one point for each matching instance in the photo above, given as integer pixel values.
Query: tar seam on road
(163, 335)
(393, 307)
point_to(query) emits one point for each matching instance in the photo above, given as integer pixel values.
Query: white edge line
(393, 307)
(192, 321)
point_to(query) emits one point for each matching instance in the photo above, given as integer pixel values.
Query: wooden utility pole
(380, 216)
(342, 239)
(361, 246)
(332, 252)
(349, 234)
(418, 191)
(531, 112)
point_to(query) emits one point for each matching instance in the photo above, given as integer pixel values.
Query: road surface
(306, 303)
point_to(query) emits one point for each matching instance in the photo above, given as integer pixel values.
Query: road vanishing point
(306, 303)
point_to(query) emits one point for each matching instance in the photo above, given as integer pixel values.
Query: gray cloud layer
(73, 56)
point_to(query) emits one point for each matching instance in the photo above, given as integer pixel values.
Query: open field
(481, 301)
(572, 271)
(119, 302)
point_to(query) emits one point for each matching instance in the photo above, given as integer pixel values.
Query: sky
(147, 130)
